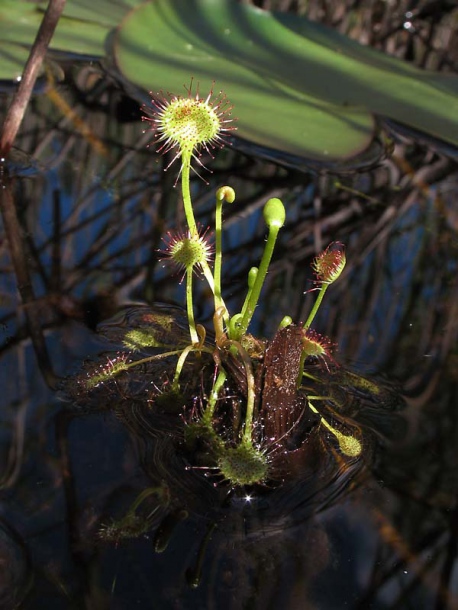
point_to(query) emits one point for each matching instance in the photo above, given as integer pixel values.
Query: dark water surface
(93, 204)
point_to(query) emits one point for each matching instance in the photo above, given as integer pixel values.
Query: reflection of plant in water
(257, 414)
(134, 523)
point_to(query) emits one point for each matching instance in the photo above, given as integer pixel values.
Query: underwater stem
(348, 444)
(181, 360)
(145, 494)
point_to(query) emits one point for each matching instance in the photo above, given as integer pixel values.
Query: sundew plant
(248, 405)
(185, 125)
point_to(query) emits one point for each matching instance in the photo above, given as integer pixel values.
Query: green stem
(301, 369)
(251, 280)
(189, 212)
(310, 319)
(224, 193)
(189, 307)
(211, 404)
(186, 192)
(316, 306)
(218, 252)
(181, 360)
(251, 392)
(209, 277)
(251, 395)
(259, 281)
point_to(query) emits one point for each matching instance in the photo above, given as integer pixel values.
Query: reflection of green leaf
(296, 85)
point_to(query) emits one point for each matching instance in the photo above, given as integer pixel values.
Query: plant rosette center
(188, 250)
(189, 122)
(243, 465)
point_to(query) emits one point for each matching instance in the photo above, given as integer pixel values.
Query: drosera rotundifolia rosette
(239, 410)
(187, 125)
(220, 402)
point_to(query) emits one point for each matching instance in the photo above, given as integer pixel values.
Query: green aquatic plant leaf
(298, 87)
(82, 29)
(19, 23)
(162, 43)
(12, 59)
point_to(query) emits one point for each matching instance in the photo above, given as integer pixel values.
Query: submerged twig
(15, 238)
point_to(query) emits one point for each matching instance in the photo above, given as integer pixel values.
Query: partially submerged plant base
(243, 465)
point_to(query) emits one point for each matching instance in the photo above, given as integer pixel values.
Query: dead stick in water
(21, 98)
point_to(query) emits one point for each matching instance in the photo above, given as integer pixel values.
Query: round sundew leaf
(296, 86)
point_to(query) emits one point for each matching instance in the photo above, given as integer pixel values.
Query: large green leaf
(19, 23)
(82, 29)
(297, 87)
(12, 60)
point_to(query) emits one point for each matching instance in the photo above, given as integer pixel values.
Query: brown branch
(21, 99)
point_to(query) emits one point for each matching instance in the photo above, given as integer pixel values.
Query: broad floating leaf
(297, 86)
(82, 29)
